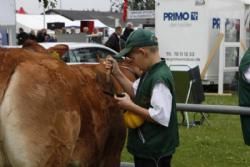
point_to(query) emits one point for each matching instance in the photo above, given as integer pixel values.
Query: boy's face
(138, 57)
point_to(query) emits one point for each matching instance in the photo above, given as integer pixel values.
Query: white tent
(36, 22)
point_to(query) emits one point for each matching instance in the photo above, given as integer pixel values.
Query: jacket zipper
(141, 136)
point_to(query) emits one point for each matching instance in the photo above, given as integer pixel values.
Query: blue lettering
(194, 15)
(180, 16)
(184, 16)
(216, 23)
(166, 16)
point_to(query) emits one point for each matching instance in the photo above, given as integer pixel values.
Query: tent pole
(43, 17)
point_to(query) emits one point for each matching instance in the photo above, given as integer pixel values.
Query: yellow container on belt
(132, 120)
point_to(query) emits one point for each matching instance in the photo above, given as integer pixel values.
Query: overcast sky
(33, 7)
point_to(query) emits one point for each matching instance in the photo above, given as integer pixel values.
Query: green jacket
(244, 96)
(153, 140)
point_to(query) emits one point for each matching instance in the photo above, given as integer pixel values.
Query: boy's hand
(124, 100)
(112, 65)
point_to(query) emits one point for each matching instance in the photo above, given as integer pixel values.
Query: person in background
(244, 94)
(97, 32)
(152, 97)
(41, 35)
(64, 31)
(72, 31)
(50, 38)
(114, 40)
(21, 36)
(128, 29)
(96, 36)
(32, 35)
(85, 30)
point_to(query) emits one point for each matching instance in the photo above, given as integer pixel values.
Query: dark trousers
(163, 162)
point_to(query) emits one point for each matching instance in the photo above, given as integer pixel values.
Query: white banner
(8, 13)
(141, 14)
(182, 31)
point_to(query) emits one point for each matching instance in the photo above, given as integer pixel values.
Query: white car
(82, 52)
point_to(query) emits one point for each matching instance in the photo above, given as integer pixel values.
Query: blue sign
(180, 16)
(216, 23)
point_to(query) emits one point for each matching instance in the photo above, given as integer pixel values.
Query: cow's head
(58, 50)
(110, 84)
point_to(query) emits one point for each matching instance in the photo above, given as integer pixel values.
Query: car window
(103, 53)
(86, 54)
(69, 57)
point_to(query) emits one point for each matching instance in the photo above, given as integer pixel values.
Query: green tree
(48, 3)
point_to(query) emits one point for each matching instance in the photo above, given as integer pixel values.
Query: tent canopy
(35, 22)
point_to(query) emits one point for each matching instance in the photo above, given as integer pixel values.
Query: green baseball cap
(138, 38)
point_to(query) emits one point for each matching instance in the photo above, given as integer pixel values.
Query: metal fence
(220, 109)
(127, 164)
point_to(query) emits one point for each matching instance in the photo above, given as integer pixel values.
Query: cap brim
(123, 53)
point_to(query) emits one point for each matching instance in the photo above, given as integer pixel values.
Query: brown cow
(39, 111)
(102, 133)
(51, 113)
(34, 46)
(56, 51)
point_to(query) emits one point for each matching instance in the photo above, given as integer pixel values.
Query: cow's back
(39, 112)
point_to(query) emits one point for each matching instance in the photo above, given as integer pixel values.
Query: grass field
(217, 144)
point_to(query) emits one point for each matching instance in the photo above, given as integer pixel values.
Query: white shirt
(247, 75)
(161, 101)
